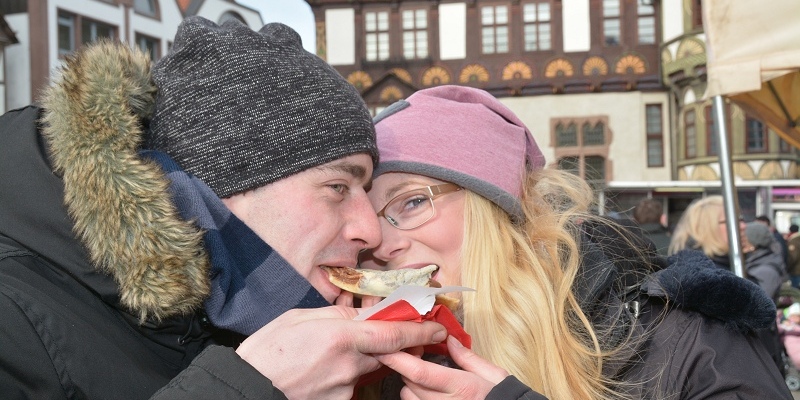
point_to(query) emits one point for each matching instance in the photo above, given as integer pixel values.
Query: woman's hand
(426, 380)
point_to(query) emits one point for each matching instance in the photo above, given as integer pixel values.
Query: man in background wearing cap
(764, 265)
(146, 216)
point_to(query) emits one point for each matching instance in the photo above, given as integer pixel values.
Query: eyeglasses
(724, 221)
(411, 209)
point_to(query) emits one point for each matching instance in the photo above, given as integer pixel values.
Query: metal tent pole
(729, 195)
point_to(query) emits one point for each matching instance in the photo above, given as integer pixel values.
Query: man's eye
(338, 188)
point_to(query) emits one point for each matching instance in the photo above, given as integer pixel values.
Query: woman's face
(437, 241)
(722, 228)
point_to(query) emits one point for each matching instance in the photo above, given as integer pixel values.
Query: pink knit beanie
(461, 135)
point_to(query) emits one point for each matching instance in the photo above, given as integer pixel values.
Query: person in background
(764, 265)
(793, 253)
(649, 214)
(780, 246)
(148, 214)
(703, 226)
(567, 304)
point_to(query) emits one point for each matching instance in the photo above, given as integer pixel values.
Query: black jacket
(692, 324)
(118, 328)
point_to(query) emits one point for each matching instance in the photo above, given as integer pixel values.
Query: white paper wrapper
(422, 298)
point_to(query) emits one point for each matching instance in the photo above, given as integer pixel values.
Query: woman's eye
(413, 203)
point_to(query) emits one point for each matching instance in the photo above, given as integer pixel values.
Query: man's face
(318, 217)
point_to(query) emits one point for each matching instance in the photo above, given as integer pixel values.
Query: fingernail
(454, 342)
(439, 337)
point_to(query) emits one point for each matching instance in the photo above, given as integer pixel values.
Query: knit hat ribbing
(460, 135)
(240, 109)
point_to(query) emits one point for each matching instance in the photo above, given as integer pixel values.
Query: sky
(295, 13)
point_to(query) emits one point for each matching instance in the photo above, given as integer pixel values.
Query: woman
(564, 301)
(703, 227)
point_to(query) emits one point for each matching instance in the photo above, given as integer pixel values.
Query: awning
(753, 58)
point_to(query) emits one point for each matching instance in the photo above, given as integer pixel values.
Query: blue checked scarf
(251, 284)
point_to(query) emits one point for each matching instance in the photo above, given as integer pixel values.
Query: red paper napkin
(403, 311)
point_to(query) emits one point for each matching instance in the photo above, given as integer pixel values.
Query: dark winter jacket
(87, 314)
(766, 268)
(692, 325)
(658, 234)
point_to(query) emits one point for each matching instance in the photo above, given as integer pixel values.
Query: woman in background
(703, 227)
(567, 305)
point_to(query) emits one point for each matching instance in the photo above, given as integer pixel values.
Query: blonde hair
(698, 228)
(523, 315)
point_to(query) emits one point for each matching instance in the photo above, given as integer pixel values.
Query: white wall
(672, 19)
(340, 36)
(626, 119)
(576, 25)
(452, 31)
(18, 64)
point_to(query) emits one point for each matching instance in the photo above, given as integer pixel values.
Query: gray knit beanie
(240, 109)
(758, 234)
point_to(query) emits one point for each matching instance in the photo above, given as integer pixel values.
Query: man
(649, 214)
(121, 268)
(779, 244)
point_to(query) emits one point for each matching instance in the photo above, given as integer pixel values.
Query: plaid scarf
(251, 284)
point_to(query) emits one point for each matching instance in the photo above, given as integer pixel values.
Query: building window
(566, 135)
(611, 25)
(595, 170)
(756, 134)
(691, 134)
(377, 28)
(494, 29)
(570, 164)
(145, 7)
(647, 23)
(655, 135)
(536, 21)
(66, 34)
(593, 135)
(74, 30)
(583, 154)
(149, 45)
(697, 14)
(415, 34)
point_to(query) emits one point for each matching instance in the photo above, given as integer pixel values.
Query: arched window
(593, 136)
(566, 136)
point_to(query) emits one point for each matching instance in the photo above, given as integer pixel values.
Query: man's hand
(320, 353)
(425, 380)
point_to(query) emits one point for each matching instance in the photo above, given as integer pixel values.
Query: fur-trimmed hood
(93, 122)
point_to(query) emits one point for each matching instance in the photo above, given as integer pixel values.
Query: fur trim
(692, 282)
(120, 203)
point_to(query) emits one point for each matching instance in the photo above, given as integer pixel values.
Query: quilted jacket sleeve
(219, 373)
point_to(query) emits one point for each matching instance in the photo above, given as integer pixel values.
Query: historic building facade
(604, 85)
(47, 30)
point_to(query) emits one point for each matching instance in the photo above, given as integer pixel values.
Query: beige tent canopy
(754, 59)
